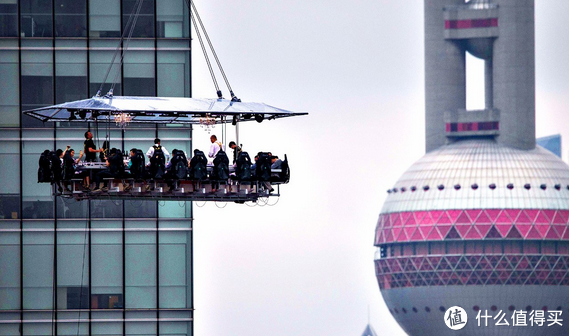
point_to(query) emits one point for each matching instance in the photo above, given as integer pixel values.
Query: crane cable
(206, 56)
(194, 14)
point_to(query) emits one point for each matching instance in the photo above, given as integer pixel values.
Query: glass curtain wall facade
(96, 267)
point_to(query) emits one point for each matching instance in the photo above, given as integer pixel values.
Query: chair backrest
(55, 164)
(68, 167)
(285, 171)
(179, 164)
(158, 163)
(137, 165)
(263, 167)
(116, 164)
(243, 170)
(221, 166)
(198, 166)
(44, 170)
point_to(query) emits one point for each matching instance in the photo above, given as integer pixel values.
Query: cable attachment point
(109, 94)
(98, 93)
(219, 95)
(234, 97)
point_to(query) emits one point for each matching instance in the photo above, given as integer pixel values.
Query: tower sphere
(483, 248)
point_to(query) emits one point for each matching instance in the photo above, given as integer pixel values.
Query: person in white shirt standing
(157, 146)
(215, 147)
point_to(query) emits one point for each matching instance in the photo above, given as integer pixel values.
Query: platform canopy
(159, 110)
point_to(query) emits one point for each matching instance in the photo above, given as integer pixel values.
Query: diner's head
(232, 145)
(88, 135)
(213, 138)
(157, 141)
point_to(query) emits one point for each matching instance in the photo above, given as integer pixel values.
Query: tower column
(445, 73)
(488, 84)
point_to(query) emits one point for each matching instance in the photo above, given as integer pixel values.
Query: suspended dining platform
(159, 110)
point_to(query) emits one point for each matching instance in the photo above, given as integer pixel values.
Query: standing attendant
(236, 150)
(90, 151)
(215, 147)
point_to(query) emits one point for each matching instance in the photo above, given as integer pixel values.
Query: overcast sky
(305, 265)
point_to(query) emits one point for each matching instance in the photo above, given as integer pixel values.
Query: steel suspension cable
(197, 15)
(204, 50)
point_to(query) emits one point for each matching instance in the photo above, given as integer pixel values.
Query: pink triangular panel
(564, 214)
(473, 214)
(503, 228)
(409, 232)
(493, 214)
(514, 233)
(558, 218)
(560, 229)
(483, 218)
(550, 214)
(483, 229)
(443, 229)
(504, 217)
(396, 233)
(405, 216)
(513, 213)
(388, 236)
(473, 234)
(453, 215)
(532, 214)
(524, 229)
(444, 219)
(419, 216)
(416, 236)
(541, 218)
(463, 219)
(395, 219)
(552, 234)
(385, 220)
(566, 235)
(436, 214)
(533, 234)
(523, 218)
(542, 229)
(427, 220)
(410, 220)
(434, 235)
(379, 238)
(463, 229)
(425, 230)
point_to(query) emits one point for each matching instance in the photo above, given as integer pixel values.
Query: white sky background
(305, 266)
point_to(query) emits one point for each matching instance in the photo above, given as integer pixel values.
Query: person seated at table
(70, 168)
(254, 165)
(276, 163)
(115, 168)
(136, 169)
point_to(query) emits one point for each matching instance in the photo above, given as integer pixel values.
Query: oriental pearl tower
(480, 221)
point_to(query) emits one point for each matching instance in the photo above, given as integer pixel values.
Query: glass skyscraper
(96, 267)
